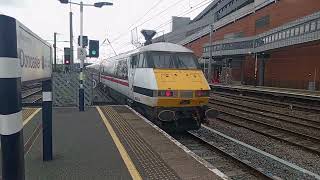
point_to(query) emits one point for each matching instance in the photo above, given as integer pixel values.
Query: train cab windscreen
(167, 60)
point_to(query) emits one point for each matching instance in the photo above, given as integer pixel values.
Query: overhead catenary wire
(184, 13)
(172, 5)
(154, 6)
(194, 8)
(111, 46)
(156, 15)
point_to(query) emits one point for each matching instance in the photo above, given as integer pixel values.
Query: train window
(121, 69)
(172, 60)
(124, 69)
(186, 61)
(163, 60)
(134, 61)
(141, 61)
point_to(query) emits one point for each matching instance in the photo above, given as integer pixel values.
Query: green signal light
(94, 52)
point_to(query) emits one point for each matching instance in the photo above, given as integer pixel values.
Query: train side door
(133, 64)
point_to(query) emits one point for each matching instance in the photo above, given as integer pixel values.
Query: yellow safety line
(31, 116)
(125, 157)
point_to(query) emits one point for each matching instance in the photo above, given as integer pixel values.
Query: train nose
(166, 115)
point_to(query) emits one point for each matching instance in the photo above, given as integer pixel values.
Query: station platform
(107, 142)
(296, 93)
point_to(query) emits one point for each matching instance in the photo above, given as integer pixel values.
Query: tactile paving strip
(148, 162)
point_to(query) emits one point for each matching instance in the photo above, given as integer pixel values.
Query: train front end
(182, 98)
(180, 93)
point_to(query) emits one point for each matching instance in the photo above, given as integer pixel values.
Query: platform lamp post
(81, 76)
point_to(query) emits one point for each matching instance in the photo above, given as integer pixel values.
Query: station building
(255, 42)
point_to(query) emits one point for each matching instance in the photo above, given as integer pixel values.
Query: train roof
(164, 46)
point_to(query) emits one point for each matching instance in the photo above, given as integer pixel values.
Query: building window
(296, 31)
(280, 35)
(292, 32)
(313, 26)
(276, 37)
(302, 29)
(283, 34)
(263, 22)
(318, 26)
(288, 34)
(307, 28)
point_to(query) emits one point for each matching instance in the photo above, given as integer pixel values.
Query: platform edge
(184, 148)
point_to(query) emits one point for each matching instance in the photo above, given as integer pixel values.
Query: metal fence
(66, 88)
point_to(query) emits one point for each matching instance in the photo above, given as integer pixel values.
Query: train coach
(161, 80)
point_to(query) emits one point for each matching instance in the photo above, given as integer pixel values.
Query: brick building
(263, 42)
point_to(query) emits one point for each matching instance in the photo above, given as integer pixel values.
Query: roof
(205, 11)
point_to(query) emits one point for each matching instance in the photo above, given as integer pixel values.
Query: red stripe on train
(125, 83)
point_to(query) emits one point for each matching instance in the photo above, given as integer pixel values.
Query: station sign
(33, 54)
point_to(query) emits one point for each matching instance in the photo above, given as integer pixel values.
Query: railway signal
(94, 48)
(67, 55)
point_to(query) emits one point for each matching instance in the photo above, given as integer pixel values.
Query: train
(161, 80)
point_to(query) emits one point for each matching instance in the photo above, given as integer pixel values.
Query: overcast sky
(44, 17)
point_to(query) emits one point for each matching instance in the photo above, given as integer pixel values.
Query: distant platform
(298, 93)
(107, 142)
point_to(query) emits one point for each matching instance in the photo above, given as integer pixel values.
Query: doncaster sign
(22, 51)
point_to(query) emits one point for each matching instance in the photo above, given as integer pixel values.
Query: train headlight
(202, 93)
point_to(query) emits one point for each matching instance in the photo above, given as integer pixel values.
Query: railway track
(286, 105)
(229, 165)
(259, 164)
(31, 95)
(264, 115)
(30, 92)
(271, 107)
(33, 99)
(299, 132)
